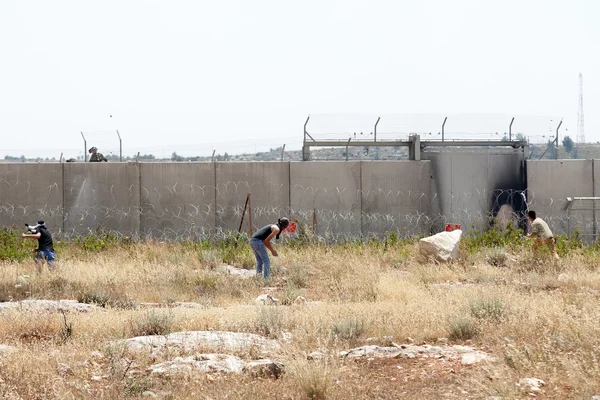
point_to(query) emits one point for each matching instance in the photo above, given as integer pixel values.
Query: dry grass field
(536, 318)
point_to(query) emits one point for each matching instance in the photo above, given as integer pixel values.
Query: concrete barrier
(268, 183)
(396, 197)
(332, 190)
(549, 184)
(470, 186)
(102, 196)
(177, 199)
(31, 192)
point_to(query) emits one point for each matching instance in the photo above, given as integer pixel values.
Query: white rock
(48, 305)
(263, 368)
(300, 300)
(595, 397)
(473, 358)
(319, 354)
(239, 272)
(531, 384)
(443, 246)
(267, 299)
(191, 340)
(5, 349)
(149, 394)
(467, 355)
(286, 336)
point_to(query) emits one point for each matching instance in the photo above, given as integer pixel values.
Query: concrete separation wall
(177, 199)
(331, 188)
(396, 197)
(101, 196)
(31, 192)
(269, 184)
(469, 187)
(549, 184)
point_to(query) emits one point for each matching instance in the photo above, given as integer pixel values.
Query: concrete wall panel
(101, 196)
(31, 192)
(395, 197)
(550, 182)
(470, 186)
(178, 200)
(331, 188)
(269, 184)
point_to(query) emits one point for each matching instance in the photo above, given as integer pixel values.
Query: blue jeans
(47, 255)
(263, 264)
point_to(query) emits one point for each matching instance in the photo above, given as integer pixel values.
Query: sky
(243, 76)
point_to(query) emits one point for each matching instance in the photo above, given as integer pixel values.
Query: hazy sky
(190, 76)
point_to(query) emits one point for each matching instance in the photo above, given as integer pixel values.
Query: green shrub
(152, 323)
(12, 246)
(490, 308)
(99, 241)
(106, 297)
(348, 329)
(495, 236)
(269, 321)
(462, 329)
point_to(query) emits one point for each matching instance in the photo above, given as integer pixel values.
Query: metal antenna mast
(580, 127)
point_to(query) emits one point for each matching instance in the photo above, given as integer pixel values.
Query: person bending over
(542, 234)
(261, 241)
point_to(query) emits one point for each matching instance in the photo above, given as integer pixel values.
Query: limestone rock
(5, 349)
(47, 305)
(531, 384)
(467, 355)
(443, 246)
(199, 363)
(267, 299)
(216, 363)
(189, 341)
(239, 272)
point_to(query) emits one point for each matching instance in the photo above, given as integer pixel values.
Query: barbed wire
(182, 211)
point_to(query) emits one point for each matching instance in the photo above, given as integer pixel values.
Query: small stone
(493, 398)
(442, 340)
(410, 340)
(595, 397)
(300, 300)
(399, 367)
(149, 394)
(473, 358)
(267, 299)
(286, 336)
(64, 369)
(531, 384)
(96, 378)
(97, 355)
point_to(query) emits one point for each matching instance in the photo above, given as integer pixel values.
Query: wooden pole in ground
(244, 212)
(315, 221)
(250, 213)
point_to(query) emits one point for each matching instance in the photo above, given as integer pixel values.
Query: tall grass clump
(152, 323)
(461, 328)
(313, 378)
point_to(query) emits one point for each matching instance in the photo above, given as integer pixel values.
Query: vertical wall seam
(214, 165)
(139, 167)
(62, 203)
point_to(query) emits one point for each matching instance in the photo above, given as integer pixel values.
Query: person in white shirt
(542, 234)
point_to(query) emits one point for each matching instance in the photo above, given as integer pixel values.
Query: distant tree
(521, 137)
(551, 153)
(176, 157)
(568, 144)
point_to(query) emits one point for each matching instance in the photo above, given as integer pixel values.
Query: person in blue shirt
(261, 241)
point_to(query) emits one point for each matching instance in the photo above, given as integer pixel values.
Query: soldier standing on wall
(96, 157)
